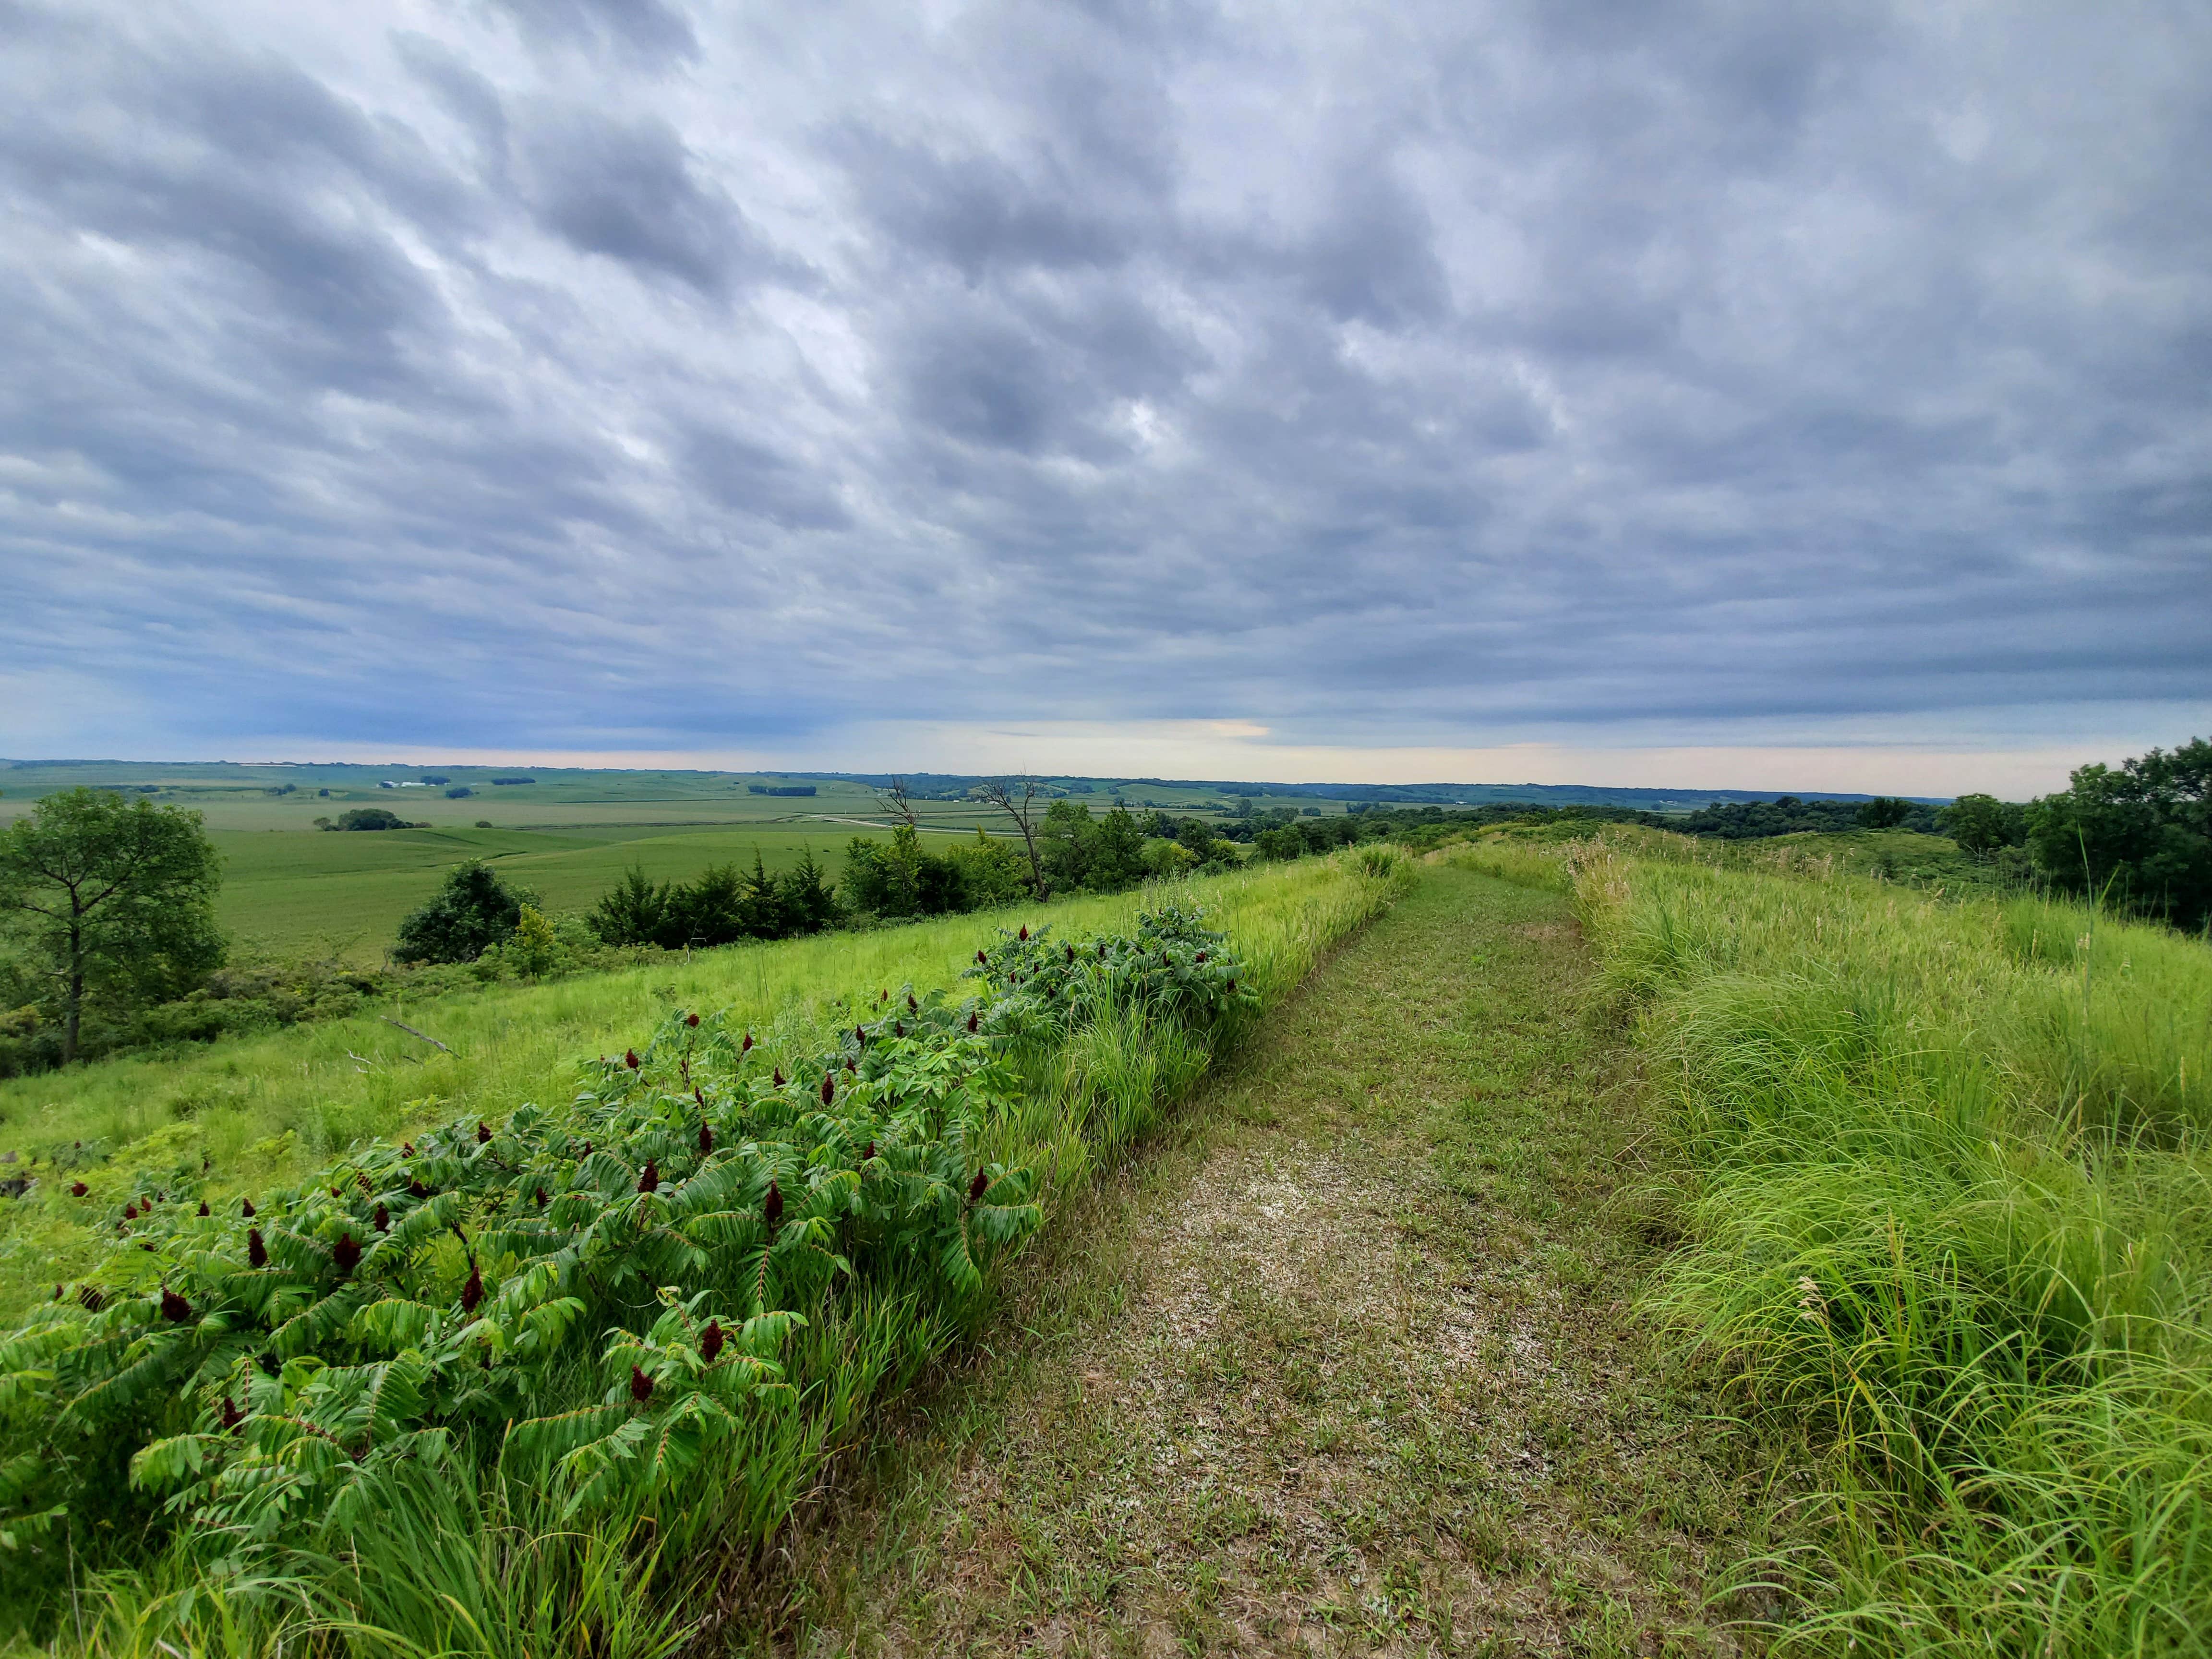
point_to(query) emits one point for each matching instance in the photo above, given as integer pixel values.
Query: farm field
(346, 893)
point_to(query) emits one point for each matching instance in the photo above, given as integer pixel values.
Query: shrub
(471, 910)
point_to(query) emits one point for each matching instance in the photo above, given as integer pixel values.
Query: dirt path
(1350, 1367)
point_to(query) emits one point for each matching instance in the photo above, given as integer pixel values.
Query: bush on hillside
(901, 878)
(722, 906)
(472, 910)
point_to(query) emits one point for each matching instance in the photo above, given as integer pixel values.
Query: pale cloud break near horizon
(1788, 396)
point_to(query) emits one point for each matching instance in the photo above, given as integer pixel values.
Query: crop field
(347, 892)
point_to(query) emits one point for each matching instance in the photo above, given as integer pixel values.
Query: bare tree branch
(1021, 809)
(894, 803)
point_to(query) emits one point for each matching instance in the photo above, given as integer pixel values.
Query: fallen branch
(412, 1032)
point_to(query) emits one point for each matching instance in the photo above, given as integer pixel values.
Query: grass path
(1347, 1364)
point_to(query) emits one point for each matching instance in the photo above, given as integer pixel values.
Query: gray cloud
(569, 372)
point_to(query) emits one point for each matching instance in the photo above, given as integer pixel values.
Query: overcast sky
(1812, 395)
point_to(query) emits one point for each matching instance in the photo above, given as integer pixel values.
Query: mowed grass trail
(1348, 1365)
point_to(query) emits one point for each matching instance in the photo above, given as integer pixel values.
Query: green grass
(495, 1570)
(1348, 1362)
(1951, 1211)
(268, 1109)
(347, 892)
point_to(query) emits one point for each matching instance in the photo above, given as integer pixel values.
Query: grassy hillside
(1950, 1216)
(265, 1109)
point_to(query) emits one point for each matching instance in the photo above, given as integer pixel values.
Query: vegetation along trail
(1349, 1364)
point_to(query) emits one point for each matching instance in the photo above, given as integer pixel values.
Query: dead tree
(1017, 797)
(894, 803)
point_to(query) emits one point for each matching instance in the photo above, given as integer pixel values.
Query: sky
(1754, 394)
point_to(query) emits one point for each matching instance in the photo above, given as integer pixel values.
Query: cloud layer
(609, 375)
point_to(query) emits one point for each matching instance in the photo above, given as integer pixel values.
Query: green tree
(2142, 833)
(1982, 823)
(1066, 842)
(1117, 854)
(472, 909)
(633, 912)
(1883, 812)
(114, 899)
(809, 903)
(533, 950)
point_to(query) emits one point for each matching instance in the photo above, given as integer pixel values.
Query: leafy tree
(114, 899)
(1067, 840)
(1117, 854)
(533, 950)
(1883, 812)
(472, 909)
(2141, 834)
(372, 817)
(1982, 823)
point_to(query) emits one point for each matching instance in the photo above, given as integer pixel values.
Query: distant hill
(38, 776)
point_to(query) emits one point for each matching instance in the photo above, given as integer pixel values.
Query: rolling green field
(290, 887)
(346, 893)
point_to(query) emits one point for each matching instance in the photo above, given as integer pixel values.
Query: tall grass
(490, 1567)
(1954, 1212)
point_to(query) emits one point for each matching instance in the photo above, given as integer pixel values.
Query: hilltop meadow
(1502, 1228)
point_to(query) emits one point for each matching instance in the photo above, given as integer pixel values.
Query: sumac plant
(590, 1297)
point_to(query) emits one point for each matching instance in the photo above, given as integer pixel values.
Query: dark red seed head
(706, 1137)
(630, 1059)
(828, 1087)
(1201, 956)
(232, 1417)
(779, 1077)
(417, 1189)
(861, 1036)
(148, 1247)
(345, 1254)
(77, 1190)
(978, 1186)
(337, 1191)
(772, 1206)
(89, 1298)
(204, 1208)
(1232, 984)
(383, 1219)
(746, 1047)
(541, 1198)
(648, 1178)
(911, 1006)
(131, 1213)
(980, 957)
(1071, 952)
(406, 1149)
(869, 1153)
(473, 1292)
(898, 1028)
(257, 1253)
(1025, 932)
(483, 1133)
(698, 1094)
(710, 1341)
(1101, 950)
(972, 1019)
(57, 1292)
(691, 1020)
(246, 1209)
(640, 1386)
(174, 1308)
(850, 1066)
